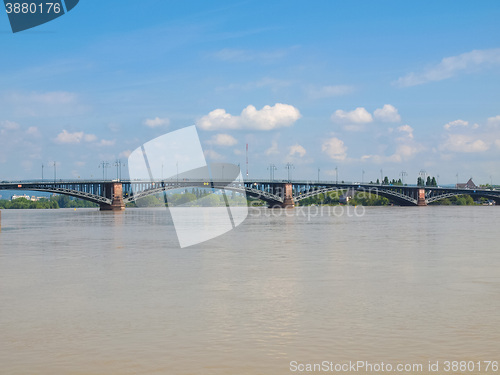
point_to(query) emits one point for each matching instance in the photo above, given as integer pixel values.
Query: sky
(354, 89)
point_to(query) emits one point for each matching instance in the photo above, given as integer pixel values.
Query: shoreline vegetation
(200, 198)
(54, 202)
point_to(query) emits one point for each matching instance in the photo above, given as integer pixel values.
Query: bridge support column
(117, 204)
(421, 198)
(288, 196)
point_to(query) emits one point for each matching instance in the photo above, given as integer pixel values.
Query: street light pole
(423, 174)
(42, 171)
(104, 165)
(318, 175)
(337, 175)
(289, 166)
(271, 168)
(55, 172)
(403, 174)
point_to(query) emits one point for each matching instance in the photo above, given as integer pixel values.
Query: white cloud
(406, 129)
(245, 55)
(464, 143)
(76, 137)
(33, 131)
(106, 143)
(297, 149)
(156, 122)
(89, 137)
(334, 148)
(404, 144)
(9, 125)
(387, 113)
(494, 121)
(55, 103)
(358, 116)
(49, 98)
(211, 154)
(268, 118)
(125, 154)
(273, 150)
(329, 91)
(406, 151)
(456, 123)
(451, 66)
(223, 140)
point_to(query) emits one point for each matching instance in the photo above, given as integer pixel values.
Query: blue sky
(354, 85)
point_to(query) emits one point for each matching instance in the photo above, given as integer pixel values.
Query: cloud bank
(268, 118)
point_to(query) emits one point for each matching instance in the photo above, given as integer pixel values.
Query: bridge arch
(393, 194)
(269, 198)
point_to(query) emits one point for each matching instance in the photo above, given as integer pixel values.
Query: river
(89, 292)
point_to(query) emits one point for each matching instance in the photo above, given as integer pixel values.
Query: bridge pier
(117, 203)
(421, 198)
(288, 196)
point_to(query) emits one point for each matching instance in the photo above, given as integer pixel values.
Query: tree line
(54, 202)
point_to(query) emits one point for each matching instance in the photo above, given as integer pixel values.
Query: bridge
(114, 195)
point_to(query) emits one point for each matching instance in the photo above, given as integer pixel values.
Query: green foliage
(150, 201)
(332, 198)
(461, 200)
(23, 203)
(64, 201)
(211, 200)
(367, 199)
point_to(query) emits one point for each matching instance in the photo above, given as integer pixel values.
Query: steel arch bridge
(113, 195)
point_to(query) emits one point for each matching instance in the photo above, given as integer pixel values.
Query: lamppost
(55, 172)
(118, 164)
(363, 176)
(271, 169)
(403, 174)
(422, 175)
(42, 171)
(318, 175)
(337, 175)
(381, 177)
(104, 165)
(289, 166)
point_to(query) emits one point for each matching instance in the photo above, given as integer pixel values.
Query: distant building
(468, 185)
(20, 196)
